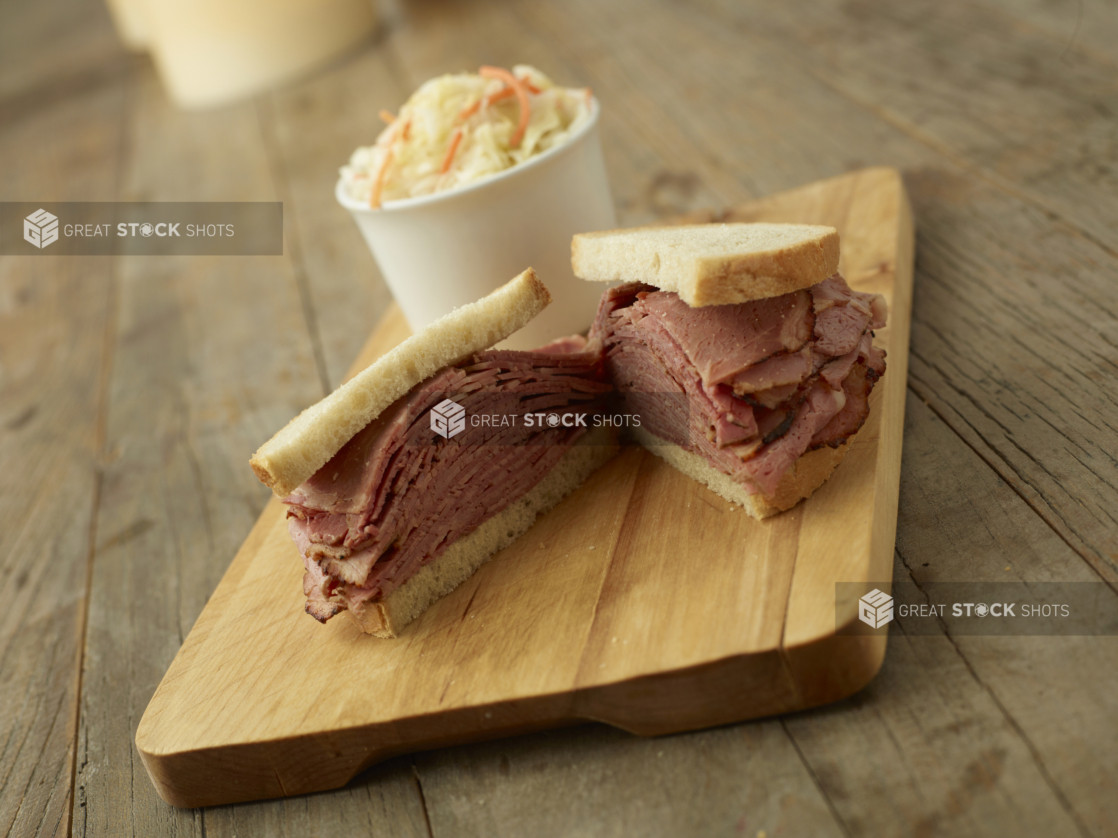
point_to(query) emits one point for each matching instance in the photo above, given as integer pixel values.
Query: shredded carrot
(405, 132)
(469, 110)
(484, 101)
(387, 117)
(521, 94)
(374, 196)
(455, 139)
(503, 93)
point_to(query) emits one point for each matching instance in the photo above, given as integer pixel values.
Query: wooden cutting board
(644, 600)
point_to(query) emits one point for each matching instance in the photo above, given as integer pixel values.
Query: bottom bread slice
(806, 475)
(386, 617)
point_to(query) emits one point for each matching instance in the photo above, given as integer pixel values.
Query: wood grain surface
(130, 395)
(644, 600)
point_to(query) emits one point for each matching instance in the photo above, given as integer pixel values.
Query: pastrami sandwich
(402, 482)
(747, 356)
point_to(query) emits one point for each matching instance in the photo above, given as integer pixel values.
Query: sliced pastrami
(764, 381)
(779, 370)
(765, 470)
(397, 495)
(848, 421)
(733, 420)
(722, 341)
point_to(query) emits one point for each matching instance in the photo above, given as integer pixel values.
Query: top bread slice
(711, 264)
(307, 443)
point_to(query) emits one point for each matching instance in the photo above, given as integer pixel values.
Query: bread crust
(387, 617)
(807, 474)
(711, 264)
(309, 440)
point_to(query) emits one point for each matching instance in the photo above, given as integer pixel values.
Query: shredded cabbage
(461, 128)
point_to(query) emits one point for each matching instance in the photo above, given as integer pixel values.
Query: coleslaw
(461, 128)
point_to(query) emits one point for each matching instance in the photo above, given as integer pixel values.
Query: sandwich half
(747, 357)
(410, 476)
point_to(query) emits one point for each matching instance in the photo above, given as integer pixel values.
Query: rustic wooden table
(132, 392)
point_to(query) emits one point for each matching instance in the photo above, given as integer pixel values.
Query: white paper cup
(130, 17)
(438, 252)
(209, 52)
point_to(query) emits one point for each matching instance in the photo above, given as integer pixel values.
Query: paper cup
(209, 52)
(130, 17)
(438, 252)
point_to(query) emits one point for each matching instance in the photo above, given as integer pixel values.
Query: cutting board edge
(613, 704)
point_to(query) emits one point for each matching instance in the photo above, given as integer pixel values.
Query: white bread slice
(309, 440)
(387, 617)
(711, 264)
(806, 475)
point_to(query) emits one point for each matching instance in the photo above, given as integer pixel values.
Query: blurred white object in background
(130, 17)
(441, 251)
(209, 52)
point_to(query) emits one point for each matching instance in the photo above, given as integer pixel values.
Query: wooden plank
(54, 313)
(1000, 100)
(971, 735)
(1075, 26)
(196, 383)
(708, 106)
(470, 680)
(384, 801)
(345, 292)
(1031, 384)
(1080, 674)
(50, 52)
(593, 780)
